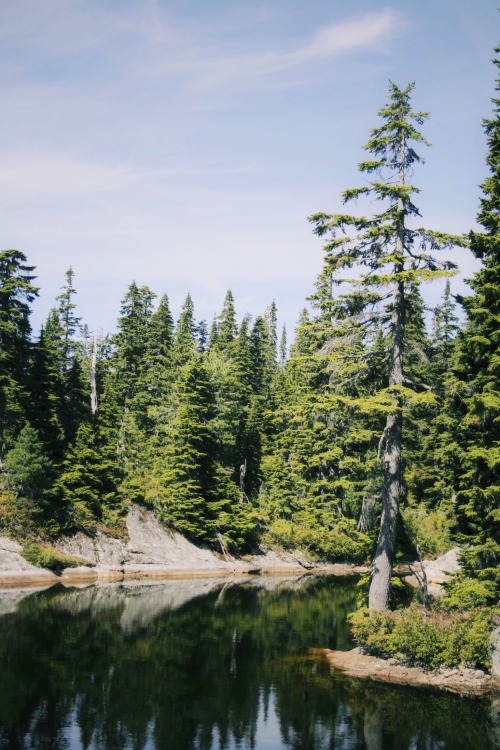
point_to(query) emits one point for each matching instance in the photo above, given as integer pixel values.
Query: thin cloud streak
(211, 70)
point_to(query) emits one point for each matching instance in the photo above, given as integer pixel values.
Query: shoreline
(41, 577)
(460, 681)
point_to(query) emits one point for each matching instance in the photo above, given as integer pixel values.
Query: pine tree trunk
(93, 385)
(378, 598)
(384, 555)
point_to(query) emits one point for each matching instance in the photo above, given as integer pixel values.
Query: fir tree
(390, 255)
(68, 321)
(226, 323)
(27, 466)
(16, 293)
(184, 342)
(194, 492)
(476, 387)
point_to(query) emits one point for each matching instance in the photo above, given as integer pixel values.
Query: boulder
(495, 653)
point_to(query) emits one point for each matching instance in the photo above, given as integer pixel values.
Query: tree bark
(93, 385)
(378, 598)
(384, 556)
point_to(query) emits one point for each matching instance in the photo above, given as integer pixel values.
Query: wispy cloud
(210, 66)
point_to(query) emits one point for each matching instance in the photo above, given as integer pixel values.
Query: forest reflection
(209, 665)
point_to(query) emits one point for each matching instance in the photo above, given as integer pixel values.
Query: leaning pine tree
(384, 255)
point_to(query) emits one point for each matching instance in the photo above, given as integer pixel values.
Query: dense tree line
(381, 421)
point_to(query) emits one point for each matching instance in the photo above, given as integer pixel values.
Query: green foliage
(338, 542)
(471, 593)
(27, 467)
(429, 639)
(431, 527)
(44, 556)
(475, 390)
(16, 293)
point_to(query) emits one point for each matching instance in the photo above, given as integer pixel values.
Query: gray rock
(10, 558)
(439, 571)
(495, 653)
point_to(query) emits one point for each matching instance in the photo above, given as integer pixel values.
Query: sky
(183, 143)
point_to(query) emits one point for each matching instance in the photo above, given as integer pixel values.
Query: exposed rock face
(150, 544)
(10, 557)
(437, 571)
(355, 663)
(150, 552)
(495, 654)
(16, 571)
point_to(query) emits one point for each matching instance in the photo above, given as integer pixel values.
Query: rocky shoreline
(463, 681)
(150, 552)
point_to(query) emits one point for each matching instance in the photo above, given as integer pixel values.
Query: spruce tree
(185, 335)
(476, 383)
(16, 294)
(190, 499)
(68, 320)
(385, 254)
(226, 322)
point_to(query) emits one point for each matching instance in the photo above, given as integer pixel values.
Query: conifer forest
(371, 436)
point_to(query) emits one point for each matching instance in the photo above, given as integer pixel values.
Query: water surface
(206, 664)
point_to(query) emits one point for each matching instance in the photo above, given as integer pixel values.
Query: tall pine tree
(384, 255)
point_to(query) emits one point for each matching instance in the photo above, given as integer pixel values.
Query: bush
(470, 593)
(431, 639)
(47, 557)
(341, 542)
(432, 528)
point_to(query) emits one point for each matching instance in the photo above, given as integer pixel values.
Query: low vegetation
(437, 638)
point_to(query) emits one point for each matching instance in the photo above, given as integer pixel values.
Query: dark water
(208, 665)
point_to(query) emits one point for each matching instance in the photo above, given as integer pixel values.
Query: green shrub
(340, 542)
(470, 593)
(432, 528)
(430, 639)
(47, 557)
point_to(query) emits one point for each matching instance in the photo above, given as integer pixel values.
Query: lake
(207, 664)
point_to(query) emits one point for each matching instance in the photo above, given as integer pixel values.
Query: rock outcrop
(151, 551)
(356, 663)
(437, 571)
(16, 571)
(495, 653)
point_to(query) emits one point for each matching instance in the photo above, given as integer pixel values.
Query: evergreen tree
(68, 321)
(155, 382)
(45, 389)
(195, 490)
(27, 466)
(283, 348)
(86, 484)
(476, 386)
(131, 339)
(391, 255)
(16, 293)
(226, 323)
(184, 342)
(445, 330)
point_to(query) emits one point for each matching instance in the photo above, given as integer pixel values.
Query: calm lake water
(206, 664)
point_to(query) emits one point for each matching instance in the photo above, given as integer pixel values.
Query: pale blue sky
(183, 143)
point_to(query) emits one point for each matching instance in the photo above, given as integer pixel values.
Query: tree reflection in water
(209, 665)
